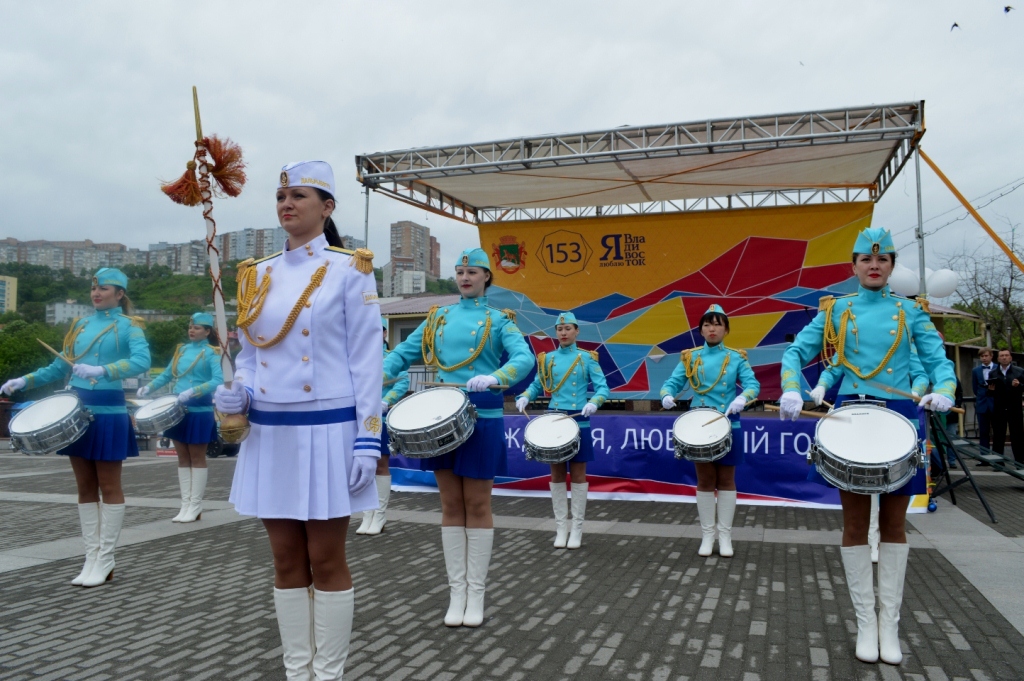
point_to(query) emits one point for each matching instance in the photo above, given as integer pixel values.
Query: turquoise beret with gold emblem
(567, 318)
(874, 240)
(473, 257)
(110, 276)
(202, 319)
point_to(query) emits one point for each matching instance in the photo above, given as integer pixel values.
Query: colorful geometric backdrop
(639, 285)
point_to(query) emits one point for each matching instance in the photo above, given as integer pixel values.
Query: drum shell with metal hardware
(430, 423)
(543, 442)
(50, 424)
(700, 443)
(160, 414)
(866, 448)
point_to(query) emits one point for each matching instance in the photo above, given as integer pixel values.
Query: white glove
(142, 392)
(790, 405)
(478, 384)
(936, 402)
(384, 406)
(186, 395)
(589, 409)
(915, 393)
(521, 403)
(818, 395)
(737, 405)
(13, 385)
(668, 402)
(364, 469)
(233, 400)
(87, 371)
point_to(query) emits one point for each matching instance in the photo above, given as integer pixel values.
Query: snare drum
(159, 414)
(50, 424)
(430, 423)
(552, 438)
(698, 442)
(867, 449)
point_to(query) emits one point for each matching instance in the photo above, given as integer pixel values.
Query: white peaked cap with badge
(316, 174)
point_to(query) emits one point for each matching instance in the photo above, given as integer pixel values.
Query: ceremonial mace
(194, 188)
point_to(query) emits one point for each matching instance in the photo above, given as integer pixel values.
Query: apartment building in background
(415, 260)
(8, 294)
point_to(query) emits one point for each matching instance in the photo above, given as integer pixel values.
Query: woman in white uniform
(309, 378)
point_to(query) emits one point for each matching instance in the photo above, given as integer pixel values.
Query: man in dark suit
(983, 404)
(1006, 383)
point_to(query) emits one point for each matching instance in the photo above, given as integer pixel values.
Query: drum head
(551, 430)
(157, 406)
(867, 434)
(426, 408)
(43, 413)
(689, 428)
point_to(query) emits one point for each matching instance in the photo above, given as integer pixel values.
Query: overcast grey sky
(95, 96)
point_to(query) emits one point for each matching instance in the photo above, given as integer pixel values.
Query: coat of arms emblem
(510, 254)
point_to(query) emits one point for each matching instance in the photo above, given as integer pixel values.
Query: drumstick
(723, 414)
(70, 363)
(674, 397)
(815, 414)
(439, 384)
(566, 416)
(830, 406)
(912, 396)
(396, 379)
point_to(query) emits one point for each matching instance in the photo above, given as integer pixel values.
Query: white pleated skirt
(299, 472)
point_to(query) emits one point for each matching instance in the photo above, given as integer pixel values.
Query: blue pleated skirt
(917, 484)
(198, 427)
(110, 437)
(483, 456)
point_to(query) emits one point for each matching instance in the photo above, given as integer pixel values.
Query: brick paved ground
(199, 605)
(1005, 494)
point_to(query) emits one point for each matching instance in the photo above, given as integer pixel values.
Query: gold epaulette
(742, 353)
(824, 302)
(362, 258)
(217, 350)
(136, 321)
(593, 354)
(510, 314)
(433, 311)
(540, 357)
(685, 355)
(923, 303)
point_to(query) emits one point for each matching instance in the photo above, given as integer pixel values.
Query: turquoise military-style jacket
(711, 373)
(918, 376)
(873, 334)
(465, 340)
(393, 392)
(195, 365)
(108, 338)
(565, 373)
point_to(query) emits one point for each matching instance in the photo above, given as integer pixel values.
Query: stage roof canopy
(838, 155)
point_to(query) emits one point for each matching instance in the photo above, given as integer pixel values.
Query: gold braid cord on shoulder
(177, 357)
(251, 298)
(692, 371)
(547, 378)
(433, 327)
(72, 336)
(837, 340)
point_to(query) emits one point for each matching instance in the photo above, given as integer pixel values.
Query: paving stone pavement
(1005, 494)
(199, 605)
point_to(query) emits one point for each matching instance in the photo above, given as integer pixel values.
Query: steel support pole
(920, 224)
(366, 221)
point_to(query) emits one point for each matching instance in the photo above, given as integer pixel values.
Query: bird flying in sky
(955, 25)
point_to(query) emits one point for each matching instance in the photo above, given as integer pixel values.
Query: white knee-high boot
(726, 512)
(892, 570)
(332, 630)
(859, 578)
(195, 497)
(579, 513)
(873, 533)
(89, 517)
(453, 540)
(383, 495)
(706, 513)
(295, 622)
(479, 543)
(111, 517)
(561, 507)
(185, 484)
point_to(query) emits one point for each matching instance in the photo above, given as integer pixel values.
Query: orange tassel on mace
(228, 167)
(185, 190)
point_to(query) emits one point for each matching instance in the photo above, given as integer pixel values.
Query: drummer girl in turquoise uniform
(465, 343)
(392, 391)
(98, 352)
(711, 373)
(565, 374)
(868, 336)
(196, 373)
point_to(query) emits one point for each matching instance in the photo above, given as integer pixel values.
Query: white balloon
(928, 272)
(904, 281)
(942, 283)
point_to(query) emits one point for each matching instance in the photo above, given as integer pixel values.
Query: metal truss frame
(405, 174)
